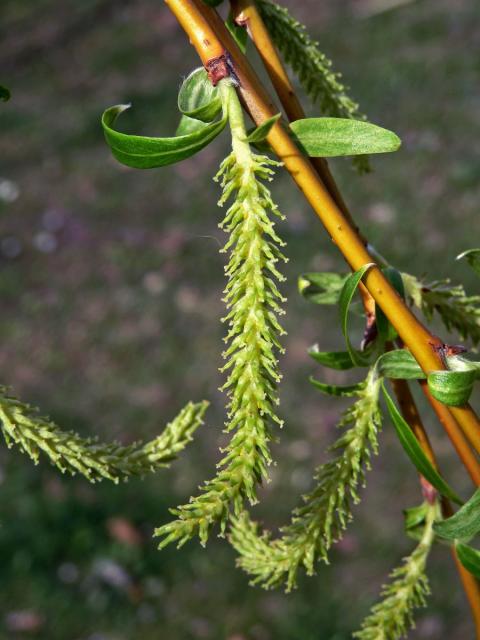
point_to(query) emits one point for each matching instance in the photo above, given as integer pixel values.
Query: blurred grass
(110, 288)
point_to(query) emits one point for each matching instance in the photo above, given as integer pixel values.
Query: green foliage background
(110, 286)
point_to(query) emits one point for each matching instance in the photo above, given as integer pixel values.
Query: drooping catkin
(253, 304)
(326, 510)
(34, 434)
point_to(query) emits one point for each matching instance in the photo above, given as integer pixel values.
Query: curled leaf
(143, 152)
(399, 364)
(359, 358)
(452, 388)
(473, 258)
(414, 520)
(321, 288)
(198, 98)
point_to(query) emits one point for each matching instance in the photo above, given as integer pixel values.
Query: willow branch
(450, 425)
(221, 57)
(412, 416)
(247, 15)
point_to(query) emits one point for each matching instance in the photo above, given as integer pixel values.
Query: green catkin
(253, 303)
(23, 425)
(391, 618)
(321, 520)
(312, 67)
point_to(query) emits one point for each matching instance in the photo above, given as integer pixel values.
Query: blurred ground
(110, 290)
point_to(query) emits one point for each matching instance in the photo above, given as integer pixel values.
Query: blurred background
(110, 289)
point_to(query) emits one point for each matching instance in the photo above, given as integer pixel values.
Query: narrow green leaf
(337, 390)
(414, 520)
(238, 33)
(198, 98)
(415, 515)
(464, 524)
(189, 125)
(470, 558)
(321, 288)
(340, 360)
(328, 137)
(452, 388)
(4, 93)
(359, 358)
(414, 451)
(143, 152)
(261, 132)
(399, 364)
(473, 258)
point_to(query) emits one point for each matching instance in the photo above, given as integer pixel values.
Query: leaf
(337, 390)
(473, 259)
(315, 72)
(386, 331)
(359, 358)
(321, 288)
(238, 33)
(189, 125)
(340, 360)
(415, 515)
(4, 93)
(414, 520)
(329, 137)
(143, 152)
(452, 388)
(470, 558)
(261, 132)
(198, 98)
(460, 363)
(399, 364)
(464, 524)
(414, 451)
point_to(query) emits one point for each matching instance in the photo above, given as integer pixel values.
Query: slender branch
(411, 414)
(317, 184)
(209, 35)
(472, 590)
(247, 15)
(469, 459)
